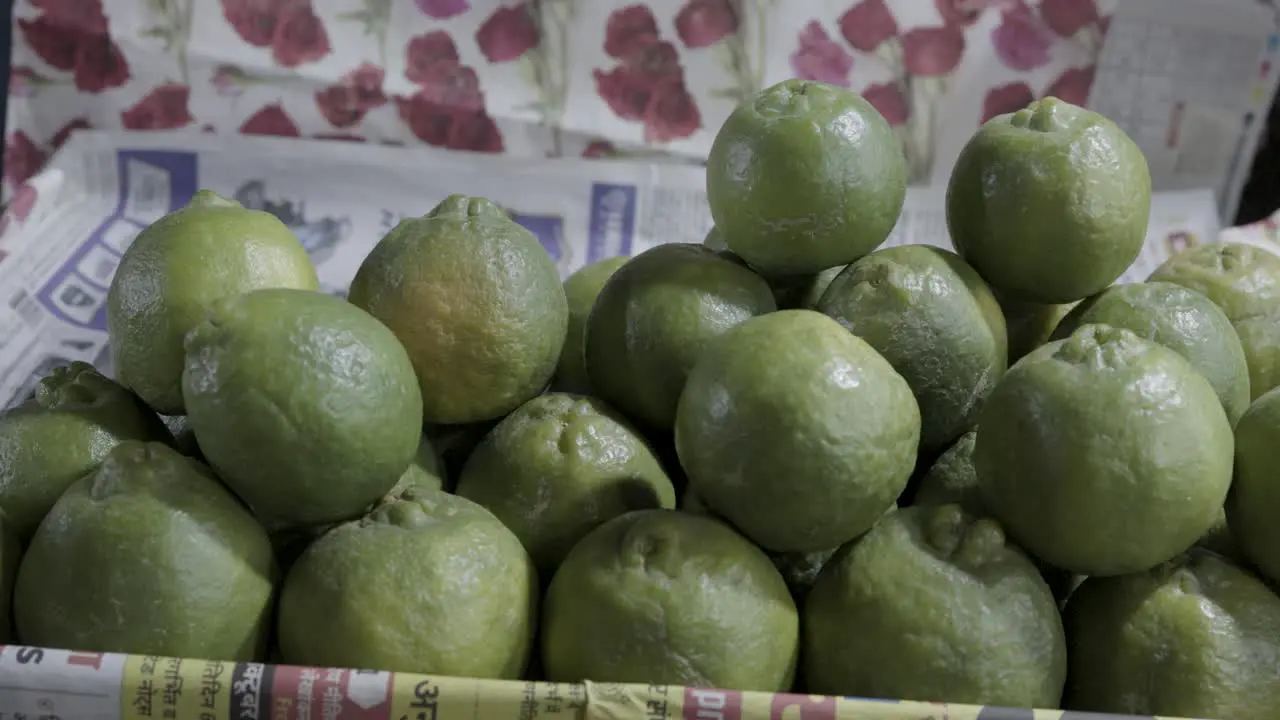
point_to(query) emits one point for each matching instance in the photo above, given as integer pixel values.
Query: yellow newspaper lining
(45, 684)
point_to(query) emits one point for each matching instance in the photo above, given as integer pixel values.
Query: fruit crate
(45, 684)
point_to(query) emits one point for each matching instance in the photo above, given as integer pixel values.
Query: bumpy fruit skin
(306, 406)
(1245, 282)
(659, 596)
(933, 604)
(581, 288)
(60, 435)
(557, 467)
(654, 317)
(935, 320)
(1104, 453)
(1029, 324)
(175, 269)
(1049, 203)
(1180, 319)
(796, 431)
(477, 303)
(1189, 638)
(149, 555)
(1253, 506)
(426, 583)
(805, 176)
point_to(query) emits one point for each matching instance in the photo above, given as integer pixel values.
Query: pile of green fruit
(782, 459)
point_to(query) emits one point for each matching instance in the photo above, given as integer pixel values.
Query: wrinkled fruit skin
(154, 557)
(559, 466)
(60, 435)
(1245, 282)
(476, 302)
(659, 596)
(425, 472)
(175, 269)
(305, 405)
(934, 605)
(796, 431)
(952, 479)
(1049, 203)
(1104, 453)
(654, 317)
(935, 320)
(1181, 319)
(1253, 506)
(1185, 639)
(581, 290)
(805, 176)
(427, 583)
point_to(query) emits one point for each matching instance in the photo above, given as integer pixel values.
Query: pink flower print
(818, 57)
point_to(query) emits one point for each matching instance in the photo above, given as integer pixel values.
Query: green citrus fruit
(796, 431)
(305, 404)
(952, 479)
(804, 176)
(934, 604)
(425, 472)
(653, 318)
(60, 435)
(714, 240)
(559, 466)
(1253, 506)
(151, 555)
(426, 583)
(477, 303)
(1104, 453)
(1243, 280)
(1260, 341)
(1049, 203)
(930, 315)
(581, 289)
(658, 596)
(175, 269)
(1182, 320)
(1190, 638)
(1029, 324)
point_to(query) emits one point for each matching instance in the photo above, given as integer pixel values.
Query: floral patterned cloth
(593, 78)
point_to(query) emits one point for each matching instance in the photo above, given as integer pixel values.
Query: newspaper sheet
(63, 241)
(45, 684)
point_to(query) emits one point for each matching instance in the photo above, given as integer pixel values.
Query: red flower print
(624, 90)
(359, 91)
(818, 57)
(84, 15)
(228, 80)
(255, 21)
(702, 23)
(24, 198)
(60, 138)
(868, 24)
(658, 61)
(430, 58)
(442, 9)
(100, 65)
(1067, 17)
(22, 158)
(932, 51)
(300, 37)
(599, 149)
(629, 30)
(54, 43)
(1020, 42)
(429, 121)
(672, 113)
(270, 120)
(888, 100)
(1072, 86)
(22, 81)
(164, 108)
(961, 12)
(476, 132)
(508, 33)
(345, 137)
(1006, 99)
